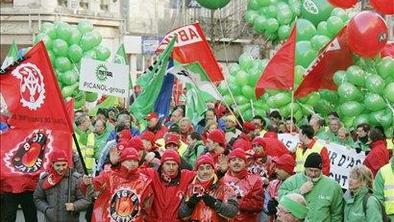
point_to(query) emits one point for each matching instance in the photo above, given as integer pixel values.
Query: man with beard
(208, 199)
(124, 194)
(361, 143)
(51, 194)
(155, 126)
(248, 187)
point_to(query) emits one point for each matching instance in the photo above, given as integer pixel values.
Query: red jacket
(378, 157)
(167, 197)
(159, 133)
(122, 195)
(264, 170)
(273, 146)
(250, 191)
(244, 142)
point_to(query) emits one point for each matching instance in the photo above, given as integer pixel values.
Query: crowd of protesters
(219, 169)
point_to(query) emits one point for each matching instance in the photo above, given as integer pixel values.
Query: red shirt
(378, 157)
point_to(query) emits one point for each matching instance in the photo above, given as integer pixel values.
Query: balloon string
(390, 107)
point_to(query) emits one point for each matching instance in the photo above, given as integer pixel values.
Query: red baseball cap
(285, 162)
(172, 138)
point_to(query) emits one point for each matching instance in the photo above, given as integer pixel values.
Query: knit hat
(124, 135)
(151, 115)
(136, 143)
(171, 155)
(248, 127)
(128, 154)
(205, 159)
(172, 138)
(242, 144)
(122, 145)
(258, 141)
(240, 153)
(148, 135)
(285, 162)
(314, 160)
(58, 155)
(217, 136)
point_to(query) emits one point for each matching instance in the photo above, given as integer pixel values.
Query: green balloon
(63, 30)
(250, 16)
(45, 38)
(242, 78)
(91, 96)
(234, 68)
(349, 92)
(329, 96)
(334, 25)
(305, 54)
(374, 83)
(270, 11)
(322, 29)
(316, 10)
(285, 15)
(313, 98)
(351, 108)
(339, 77)
(340, 13)
(298, 75)
(284, 32)
(298, 115)
(69, 77)
(102, 53)
(248, 92)
(228, 100)
(264, 3)
(253, 5)
(271, 25)
(75, 36)
(88, 41)
(49, 29)
(213, 4)
(90, 54)
(305, 30)
(295, 6)
(245, 61)
(60, 47)
(254, 75)
(382, 117)
(386, 67)
(98, 38)
(389, 92)
(271, 102)
(259, 23)
(79, 100)
(75, 53)
(319, 41)
(374, 102)
(85, 27)
(323, 107)
(51, 56)
(355, 75)
(363, 118)
(282, 99)
(62, 64)
(241, 100)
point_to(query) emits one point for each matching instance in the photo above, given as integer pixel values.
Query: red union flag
(335, 56)
(192, 46)
(32, 105)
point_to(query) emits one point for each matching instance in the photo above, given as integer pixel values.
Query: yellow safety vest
(87, 151)
(390, 144)
(301, 156)
(388, 177)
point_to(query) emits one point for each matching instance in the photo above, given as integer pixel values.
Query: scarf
(240, 175)
(127, 173)
(52, 179)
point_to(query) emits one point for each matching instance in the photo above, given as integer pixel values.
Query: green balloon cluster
(67, 45)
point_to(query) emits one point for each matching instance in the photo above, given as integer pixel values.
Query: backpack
(385, 218)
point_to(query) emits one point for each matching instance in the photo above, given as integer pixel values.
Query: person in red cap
(208, 199)
(173, 142)
(124, 194)
(51, 194)
(155, 126)
(169, 185)
(216, 144)
(249, 187)
(270, 143)
(244, 141)
(284, 168)
(259, 163)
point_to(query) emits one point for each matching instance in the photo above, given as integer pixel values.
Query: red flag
(279, 73)
(192, 46)
(39, 122)
(335, 56)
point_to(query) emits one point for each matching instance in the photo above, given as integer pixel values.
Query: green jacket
(348, 142)
(193, 152)
(354, 209)
(101, 140)
(378, 187)
(324, 200)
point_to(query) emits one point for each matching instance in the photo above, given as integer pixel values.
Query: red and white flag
(335, 56)
(39, 121)
(279, 73)
(191, 46)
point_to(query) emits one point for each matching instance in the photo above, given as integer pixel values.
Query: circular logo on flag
(32, 87)
(124, 205)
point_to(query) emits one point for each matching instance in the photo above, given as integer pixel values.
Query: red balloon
(343, 3)
(367, 34)
(383, 6)
(388, 50)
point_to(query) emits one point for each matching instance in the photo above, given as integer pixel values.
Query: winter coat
(101, 140)
(324, 200)
(159, 131)
(193, 152)
(273, 146)
(378, 157)
(250, 192)
(378, 188)
(226, 207)
(167, 196)
(354, 210)
(51, 202)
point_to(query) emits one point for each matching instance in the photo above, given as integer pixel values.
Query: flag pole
(292, 111)
(253, 110)
(85, 170)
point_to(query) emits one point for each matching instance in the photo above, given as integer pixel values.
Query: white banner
(104, 77)
(342, 159)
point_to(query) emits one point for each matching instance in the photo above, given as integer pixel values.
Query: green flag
(195, 104)
(110, 101)
(120, 56)
(11, 57)
(145, 102)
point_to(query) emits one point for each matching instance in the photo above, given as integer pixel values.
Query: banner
(291, 141)
(104, 77)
